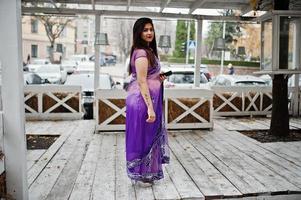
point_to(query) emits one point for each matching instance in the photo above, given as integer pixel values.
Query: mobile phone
(168, 73)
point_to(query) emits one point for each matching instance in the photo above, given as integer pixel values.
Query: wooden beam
(13, 99)
(164, 5)
(195, 5)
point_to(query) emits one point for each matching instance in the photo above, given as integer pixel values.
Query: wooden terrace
(216, 164)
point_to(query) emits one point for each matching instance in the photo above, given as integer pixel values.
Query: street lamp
(164, 43)
(101, 39)
(219, 45)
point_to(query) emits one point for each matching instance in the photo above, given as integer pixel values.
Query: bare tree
(125, 35)
(54, 26)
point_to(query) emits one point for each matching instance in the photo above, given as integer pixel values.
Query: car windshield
(64, 62)
(242, 83)
(48, 69)
(39, 62)
(77, 58)
(184, 78)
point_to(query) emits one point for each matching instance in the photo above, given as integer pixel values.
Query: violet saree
(146, 143)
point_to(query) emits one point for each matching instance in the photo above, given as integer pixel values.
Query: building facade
(36, 43)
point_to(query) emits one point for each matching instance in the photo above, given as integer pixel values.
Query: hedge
(216, 62)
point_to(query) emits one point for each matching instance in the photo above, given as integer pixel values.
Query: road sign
(191, 44)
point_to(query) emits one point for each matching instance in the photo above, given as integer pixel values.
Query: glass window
(64, 32)
(288, 43)
(34, 26)
(266, 40)
(34, 51)
(59, 48)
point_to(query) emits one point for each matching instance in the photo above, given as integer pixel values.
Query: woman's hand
(151, 115)
(162, 77)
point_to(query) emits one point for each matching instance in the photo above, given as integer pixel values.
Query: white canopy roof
(135, 7)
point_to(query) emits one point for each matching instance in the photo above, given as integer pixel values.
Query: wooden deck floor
(204, 164)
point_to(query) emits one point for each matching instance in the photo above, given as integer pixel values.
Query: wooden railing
(52, 102)
(184, 109)
(238, 101)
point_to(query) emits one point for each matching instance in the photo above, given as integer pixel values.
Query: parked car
(86, 81)
(33, 79)
(78, 58)
(183, 78)
(53, 73)
(36, 63)
(69, 65)
(105, 60)
(291, 81)
(267, 79)
(85, 67)
(238, 80)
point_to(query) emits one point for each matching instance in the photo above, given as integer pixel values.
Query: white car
(36, 63)
(238, 80)
(79, 58)
(183, 78)
(86, 81)
(69, 65)
(52, 73)
(84, 67)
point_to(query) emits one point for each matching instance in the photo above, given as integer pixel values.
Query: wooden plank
(33, 156)
(124, 188)
(104, 180)
(235, 161)
(164, 189)
(50, 175)
(66, 180)
(243, 181)
(34, 172)
(211, 172)
(182, 181)
(231, 124)
(40, 128)
(206, 186)
(283, 150)
(295, 123)
(84, 181)
(38, 189)
(272, 181)
(285, 169)
(144, 193)
(252, 124)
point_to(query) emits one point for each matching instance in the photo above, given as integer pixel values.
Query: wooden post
(296, 63)
(198, 53)
(13, 98)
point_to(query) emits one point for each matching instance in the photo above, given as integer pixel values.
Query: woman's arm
(141, 64)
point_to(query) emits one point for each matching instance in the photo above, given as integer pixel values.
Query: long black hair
(139, 43)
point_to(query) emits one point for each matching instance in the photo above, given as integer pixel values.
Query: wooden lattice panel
(188, 110)
(111, 111)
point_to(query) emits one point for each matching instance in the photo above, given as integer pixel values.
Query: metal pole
(198, 53)
(97, 52)
(97, 63)
(13, 99)
(223, 51)
(187, 43)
